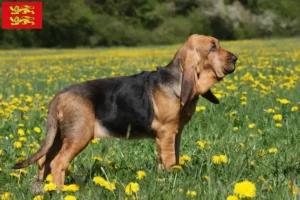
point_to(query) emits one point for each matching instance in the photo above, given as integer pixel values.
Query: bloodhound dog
(155, 104)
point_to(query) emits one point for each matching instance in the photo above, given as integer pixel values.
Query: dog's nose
(233, 58)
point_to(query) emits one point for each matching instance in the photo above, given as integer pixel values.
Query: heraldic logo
(21, 15)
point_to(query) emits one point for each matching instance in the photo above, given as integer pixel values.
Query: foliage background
(77, 23)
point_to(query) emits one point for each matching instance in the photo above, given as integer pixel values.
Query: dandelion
(17, 144)
(273, 150)
(232, 197)
(177, 167)
(235, 128)
(200, 108)
(191, 193)
(218, 159)
(37, 129)
(252, 163)
(283, 101)
(160, 179)
(49, 187)
(38, 197)
(277, 117)
(141, 175)
(1, 152)
(242, 145)
(1, 169)
(244, 103)
(251, 126)
(95, 141)
(15, 175)
(278, 125)
(21, 132)
(292, 188)
(70, 197)
(49, 178)
(294, 108)
(132, 188)
(270, 110)
(206, 178)
(202, 144)
(245, 189)
(102, 182)
(184, 159)
(97, 158)
(6, 196)
(71, 188)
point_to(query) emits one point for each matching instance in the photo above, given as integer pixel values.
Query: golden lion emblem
(15, 10)
(21, 20)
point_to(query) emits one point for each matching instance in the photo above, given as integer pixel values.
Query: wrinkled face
(204, 62)
(213, 56)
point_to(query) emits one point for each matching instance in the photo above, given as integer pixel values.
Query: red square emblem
(21, 15)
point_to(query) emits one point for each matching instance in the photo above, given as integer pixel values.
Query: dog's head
(203, 63)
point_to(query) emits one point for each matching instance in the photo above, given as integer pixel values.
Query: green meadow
(246, 147)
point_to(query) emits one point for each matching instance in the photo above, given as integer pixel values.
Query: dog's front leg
(168, 143)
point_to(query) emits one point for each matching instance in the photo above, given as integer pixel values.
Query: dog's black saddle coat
(123, 101)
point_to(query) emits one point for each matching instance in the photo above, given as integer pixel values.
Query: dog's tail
(52, 126)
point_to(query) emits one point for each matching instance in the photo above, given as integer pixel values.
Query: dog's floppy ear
(189, 76)
(211, 97)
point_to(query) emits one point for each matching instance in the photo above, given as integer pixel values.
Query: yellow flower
(95, 141)
(141, 175)
(244, 103)
(102, 182)
(271, 110)
(1, 152)
(160, 179)
(183, 159)
(71, 188)
(278, 125)
(191, 193)
(97, 158)
(132, 188)
(15, 175)
(37, 129)
(252, 163)
(38, 197)
(49, 178)
(6, 196)
(242, 145)
(49, 187)
(251, 125)
(294, 108)
(232, 197)
(177, 167)
(223, 158)
(21, 125)
(245, 189)
(70, 197)
(1, 169)
(283, 101)
(273, 150)
(200, 108)
(23, 139)
(22, 171)
(235, 128)
(292, 188)
(21, 132)
(202, 144)
(277, 117)
(206, 178)
(218, 159)
(99, 180)
(17, 144)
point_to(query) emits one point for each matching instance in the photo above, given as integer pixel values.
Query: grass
(258, 147)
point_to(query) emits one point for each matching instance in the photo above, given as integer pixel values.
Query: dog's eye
(213, 48)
